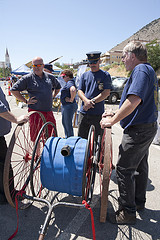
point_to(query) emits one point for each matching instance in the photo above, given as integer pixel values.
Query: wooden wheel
(36, 186)
(105, 169)
(18, 159)
(89, 167)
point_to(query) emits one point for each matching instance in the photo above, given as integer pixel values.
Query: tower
(7, 60)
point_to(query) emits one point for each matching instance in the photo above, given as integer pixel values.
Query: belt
(144, 125)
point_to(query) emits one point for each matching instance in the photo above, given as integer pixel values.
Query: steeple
(7, 60)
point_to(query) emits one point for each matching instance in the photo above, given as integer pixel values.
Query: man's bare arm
(102, 96)
(20, 97)
(10, 117)
(127, 108)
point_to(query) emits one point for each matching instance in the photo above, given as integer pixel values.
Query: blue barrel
(63, 173)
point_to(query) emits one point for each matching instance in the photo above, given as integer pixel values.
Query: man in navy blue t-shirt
(94, 88)
(137, 115)
(42, 87)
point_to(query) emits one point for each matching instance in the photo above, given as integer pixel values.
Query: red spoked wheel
(89, 167)
(36, 186)
(105, 170)
(18, 159)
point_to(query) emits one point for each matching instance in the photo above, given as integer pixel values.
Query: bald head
(38, 66)
(39, 59)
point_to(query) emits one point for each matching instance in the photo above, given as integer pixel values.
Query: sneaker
(122, 217)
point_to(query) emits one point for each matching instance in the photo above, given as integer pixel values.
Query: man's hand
(32, 100)
(88, 104)
(22, 119)
(106, 122)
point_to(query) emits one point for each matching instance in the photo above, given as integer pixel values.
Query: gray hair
(138, 49)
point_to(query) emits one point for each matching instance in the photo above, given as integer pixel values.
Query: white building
(6, 63)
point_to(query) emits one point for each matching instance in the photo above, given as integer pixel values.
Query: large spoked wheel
(18, 159)
(89, 167)
(36, 186)
(105, 170)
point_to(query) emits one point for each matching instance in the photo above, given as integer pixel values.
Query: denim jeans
(67, 117)
(133, 158)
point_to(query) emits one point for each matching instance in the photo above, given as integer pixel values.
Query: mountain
(148, 33)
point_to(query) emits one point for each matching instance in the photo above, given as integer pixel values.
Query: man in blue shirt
(94, 88)
(6, 117)
(42, 87)
(137, 115)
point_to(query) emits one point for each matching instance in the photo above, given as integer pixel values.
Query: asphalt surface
(72, 223)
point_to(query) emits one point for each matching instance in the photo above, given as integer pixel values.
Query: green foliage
(106, 68)
(57, 64)
(153, 49)
(63, 66)
(4, 72)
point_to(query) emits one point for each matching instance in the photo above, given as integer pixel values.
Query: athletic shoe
(122, 217)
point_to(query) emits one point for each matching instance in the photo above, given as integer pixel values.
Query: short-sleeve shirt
(5, 125)
(92, 84)
(40, 88)
(142, 83)
(65, 92)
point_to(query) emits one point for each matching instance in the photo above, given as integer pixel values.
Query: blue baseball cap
(49, 67)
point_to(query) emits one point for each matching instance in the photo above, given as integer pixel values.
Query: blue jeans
(67, 116)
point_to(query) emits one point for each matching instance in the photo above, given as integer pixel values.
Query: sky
(69, 28)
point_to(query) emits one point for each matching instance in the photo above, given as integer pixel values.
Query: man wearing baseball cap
(94, 88)
(48, 68)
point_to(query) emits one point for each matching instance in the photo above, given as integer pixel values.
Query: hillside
(119, 71)
(148, 33)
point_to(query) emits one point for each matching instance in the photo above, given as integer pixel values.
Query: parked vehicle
(117, 89)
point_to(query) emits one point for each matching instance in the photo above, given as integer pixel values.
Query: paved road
(71, 223)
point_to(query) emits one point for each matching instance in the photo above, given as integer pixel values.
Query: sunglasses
(93, 62)
(37, 65)
(64, 76)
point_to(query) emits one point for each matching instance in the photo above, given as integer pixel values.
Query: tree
(4, 72)
(57, 64)
(153, 49)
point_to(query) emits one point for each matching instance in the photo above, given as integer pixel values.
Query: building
(6, 63)
(105, 58)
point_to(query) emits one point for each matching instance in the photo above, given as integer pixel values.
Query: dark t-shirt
(40, 88)
(65, 92)
(142, 83)
(92, 84)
